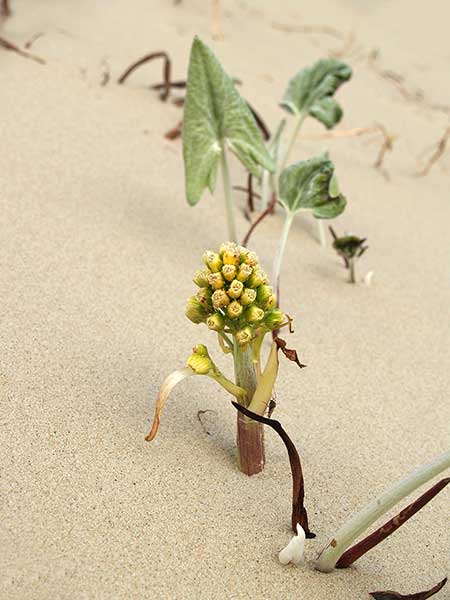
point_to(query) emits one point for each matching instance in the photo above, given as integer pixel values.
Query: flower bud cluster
(234, 294)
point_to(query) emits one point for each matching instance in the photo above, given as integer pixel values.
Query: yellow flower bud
(195, 310)
(212, 260)
(234, 309)
(253, 314)
(201, 278)
(199, 363)
(235, 289)
(244, 336)
(244, 272)
(231, 256)
(215, 322)
(216, 281)
(248, 296)
(257, 278)
(200, 349)
(226, 246)
(220, 299)
(229, 272)
(250, 258)
(271, 302)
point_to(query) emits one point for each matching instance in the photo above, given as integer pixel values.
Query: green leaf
(216, 117)
(310, 91)
(311, 185)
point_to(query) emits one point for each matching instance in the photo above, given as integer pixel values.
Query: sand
(97, 251)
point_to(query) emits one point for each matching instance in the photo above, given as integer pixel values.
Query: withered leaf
(418, 596)
(290, 353)
(299, 514)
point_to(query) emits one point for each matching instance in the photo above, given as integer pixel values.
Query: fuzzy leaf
(311, 185)
(311, 90)
(215, 115)
(418, 596)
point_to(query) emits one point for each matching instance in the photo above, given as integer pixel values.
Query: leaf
(418, 596)
(372, 540)
(263, 392)
(289, 353)
(215, 116)
(311, 185)
(310, 91)
(299, 514)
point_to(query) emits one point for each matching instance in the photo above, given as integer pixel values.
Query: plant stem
(375, 509)
(351, 269)
(299, 123)
(280, 250)
(321, 232)
(228, 196)
(250, 434)
(265, 189)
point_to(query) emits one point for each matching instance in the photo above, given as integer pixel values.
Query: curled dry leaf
(418, 596)
(290, 353)
(299, 514)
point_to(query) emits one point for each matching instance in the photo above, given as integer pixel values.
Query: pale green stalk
(245, 371)
(281, 248)
(357, 524)
(300, 118)
(265, 189)
(228, 191)
(321, 232)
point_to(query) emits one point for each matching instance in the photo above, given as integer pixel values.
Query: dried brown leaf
(289, 353)
(418, 596)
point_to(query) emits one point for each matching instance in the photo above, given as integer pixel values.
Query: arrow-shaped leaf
(216, 116)
(311, 185)
(311, 90)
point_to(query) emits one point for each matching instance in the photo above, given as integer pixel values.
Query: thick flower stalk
(235, 300)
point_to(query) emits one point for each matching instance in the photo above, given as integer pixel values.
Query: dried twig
(33, 38)
(260, 218)
(175, 132)
(299, 514)
(438, 152)
(372, 540)
(323, 29)
(106, 73)
(145, 59)
(389, 595)
(5, 11)
(10, 46)
(387, 145)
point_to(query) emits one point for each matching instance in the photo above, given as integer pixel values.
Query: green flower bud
(244, 272)
(220, 299)
(263, 293)
(215, 322)
(253, 314)
(234, 309)
(274, 319)
(212, 260)
(248, 296)
(216, 281)
(257, 278)
(250, 258)
(244, 336)
(201, 278)
(229, 272)
(200, 364)
(200, 349)
(195, 310)
(271, 302)
(204, 297)
(235, 289)
(231, 256)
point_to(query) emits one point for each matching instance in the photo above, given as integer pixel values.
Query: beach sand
(98, 247)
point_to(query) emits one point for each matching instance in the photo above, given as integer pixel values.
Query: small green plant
(350, 248)
(234, 300)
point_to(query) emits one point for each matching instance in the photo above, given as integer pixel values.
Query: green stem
(265, 189)
(300, 118)
(351, 268)
(280, 251)
(227, 340)
(358, 523)
(228, 191)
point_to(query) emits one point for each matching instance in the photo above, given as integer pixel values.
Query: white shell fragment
(367, 279)
(293, 553)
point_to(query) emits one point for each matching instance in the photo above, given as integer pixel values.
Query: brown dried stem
(4, 8)
(261, 217)
(389, 595)
(299, 514)
(175, 132)
(147, 58)
(10, 46)
(372, 540)
(437, 154)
